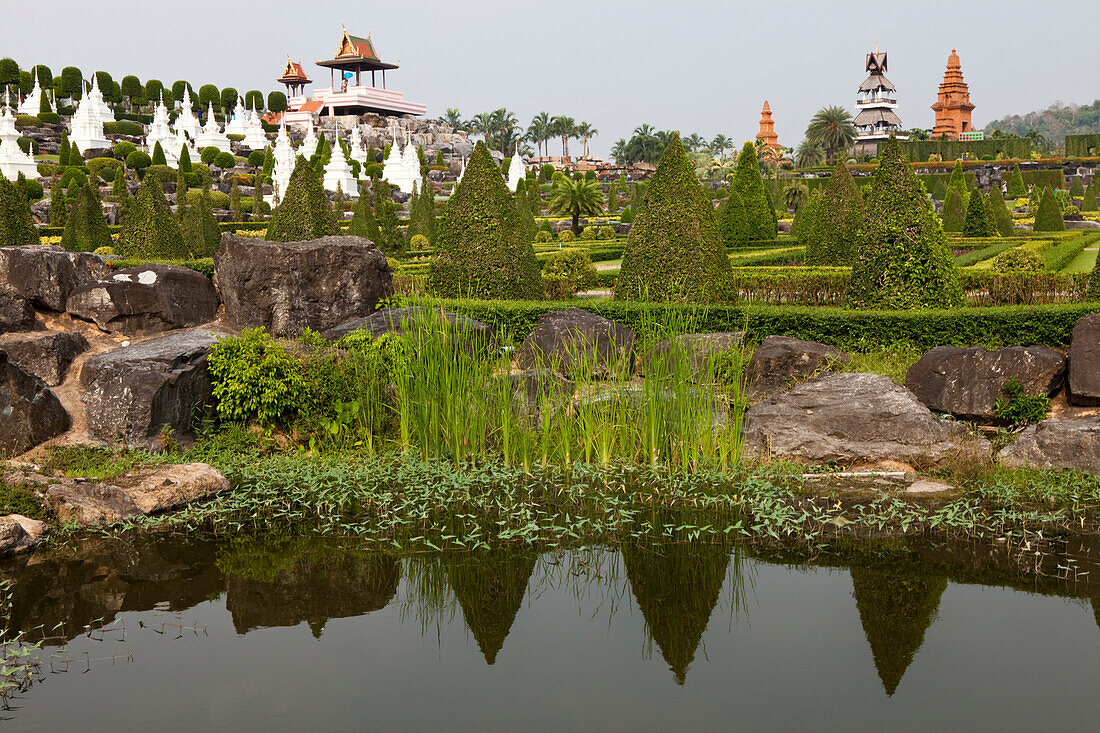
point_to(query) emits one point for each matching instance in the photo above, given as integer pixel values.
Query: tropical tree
(720, 144)
(539, 130)
(504, 123)
(585, 131)
(808, 154)
(694, 142)
(832, 129)
(795, 195)
(575, 198)
(453, 118)
(563, 128)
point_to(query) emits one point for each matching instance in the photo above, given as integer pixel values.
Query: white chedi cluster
(338, 174)
(187, 121)
(86, 125)
(309, 143)
(211, 135)
(254, 137)
(402, 168)
(358, 154)
(516, 172)
(238, 124)
(98, 108)
(13, 161)
(284, 164)
(33, 103)
(160, 132)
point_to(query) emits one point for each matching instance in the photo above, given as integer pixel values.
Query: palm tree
(795, 195)
(832, 129)
(720, 144)
(505, 123)
(539, 130)
(453, 118)
(694, 142)
(564, 128)
(575, 198)
(645, 145)
(585, 131)
(618, 151)
(482, 124)
(808, 154)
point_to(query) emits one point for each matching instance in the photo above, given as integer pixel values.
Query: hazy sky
(690, 65)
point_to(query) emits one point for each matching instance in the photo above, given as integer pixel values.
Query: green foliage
(627, 217)
(1016, 185)
(759, 213)
(138, 161)
(158, 155)
(1018, 408)
(1094, 282)
(57, 204)
(21, 499)
(254, 378)
(988, 149)
(363, 223)
(199, 228)
(1002, 217)
(482, 249)
(573, 266)
(222, 160)
(1049, 217)
(422, 212)
(588, 234)
(209, 154)
(954, 213)
(575, 198)
(1018, 259)
(1076, 188)
(123, 127)
(122, 149)
(542, 237)
(1092, 193)
(836, 224)
(86, 229)
(149, 229)
(732, 224)
(304, 212)
(674, 250)
(418, 242)
(235, 201)
(389, 239)
(256, 158)
(902, 258)
(16, 221)
(977, 223)
(804, 226)
(523, 213)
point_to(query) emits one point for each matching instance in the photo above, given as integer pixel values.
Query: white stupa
(86, 125)
(254, 137)
(13, 161)
(238, 125)
(402, 168)
(338, 172)
(160, 132)
(94, 100)
(284, 163)
(516, 172)
(33, 102)
(187, 122)
(356, 150)
(309, 144)
(212, 135)
(178, 143)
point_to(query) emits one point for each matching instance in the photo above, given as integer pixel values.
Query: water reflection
(489, 586)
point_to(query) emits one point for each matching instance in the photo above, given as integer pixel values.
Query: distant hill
(1054, 122)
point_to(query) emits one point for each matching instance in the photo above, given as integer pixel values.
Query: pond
(295, 634)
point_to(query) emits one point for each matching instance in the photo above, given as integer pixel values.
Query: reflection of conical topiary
(482, 250)
(1096, 609)
(895, 608)
(150, 231)
(676, 587)
(304, 212)
(86, 228)
(489, 586)
(674, 250)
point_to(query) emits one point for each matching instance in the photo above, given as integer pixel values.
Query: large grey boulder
(966, 382)
(853, 417)
(45, 354)
(145, 300)
(18, 533)
(1071, 443)
(574, 342)
(1084, 361)
(30, 412)
(697, 351)
(132, 394)
(780, 362)
(288, 287)
(47, 275)
(16, 312)
(400, 320)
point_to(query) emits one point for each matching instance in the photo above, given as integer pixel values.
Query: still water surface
(293, 635)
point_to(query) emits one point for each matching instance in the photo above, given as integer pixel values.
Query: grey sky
(690, 65)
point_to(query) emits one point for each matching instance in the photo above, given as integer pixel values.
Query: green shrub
(123, 127)
(732, 224)
(422, 212)
(222, 160)
(588, 234)
(1018, 408)
(123, 149)
(954, 213)
(209, 154)
(566, 236)
(760, 220)
(104, 251)
(605, 233)
(419, 242)
(572, 266)
(1002, 217)
(149, 229)
(902, 259)
(256, 158)
(33, 190)
(138, 161)
(674, 250)
(46, 169)
(217, 199)
(16, 221)
(1049, 217)
(836, 223)
(804, 226)
(543, 237)
(484, 248)
(158, 155)
(85, 228)
(254, 378)
(1016, 185)
(977, 223)
(1018, 259)
(201, 234)
(304, 212)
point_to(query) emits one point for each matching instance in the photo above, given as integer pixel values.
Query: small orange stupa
(953, 105)
(767, 129)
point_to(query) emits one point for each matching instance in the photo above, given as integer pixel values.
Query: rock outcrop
(19, 533)
(288, 287)
(398, 320)
(30, 412)
(780, 362)
(46, 276)
(45, 354)
(575, 341)
(145, 300)
(1084, 361)
(16, 312)
(132, 394)
(966, 382)
(849, 418)
(1069, 443)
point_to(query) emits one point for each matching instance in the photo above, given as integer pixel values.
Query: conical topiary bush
(1016, 185)
(304, 213)
(149, 230)
(201, 232)
(674, 251)
(86, 229)
(902, 259)
(482, 250)
(976, 223)
(1002, 217)
(837, 222)
(1049, 217)
(749, 184)
(732, 225)
(954, 211)
(16, 221)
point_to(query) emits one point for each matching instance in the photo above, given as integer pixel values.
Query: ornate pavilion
(876, 120)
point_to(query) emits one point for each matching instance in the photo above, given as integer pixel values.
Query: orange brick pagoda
(953, 105)
(767, 129)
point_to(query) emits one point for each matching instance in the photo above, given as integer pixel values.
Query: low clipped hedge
(1047, 325)
(124, 127)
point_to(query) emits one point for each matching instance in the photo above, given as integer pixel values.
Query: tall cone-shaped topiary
(976, 223)
(1094, 282)
(674, 250)
(954, 211)
(902, 259)
(185, 160)
(837, 223)
(150, 231)
(958, 179)
(86, 229)
(304, 213)
(482, 250)
(422, 211)
(16, 221)
(1076, 188)
(1049, 217)
(158, 155)
(530, 226)
(1092, 192)
(749, 184)
(57, 203)
(1002, 217)
(804, 226)
(1016, 185)
(363, 223)
(733, 227)
(201, 232)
